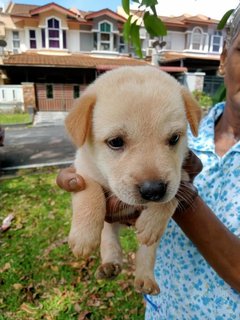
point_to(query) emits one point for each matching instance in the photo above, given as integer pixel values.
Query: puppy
(130, 128)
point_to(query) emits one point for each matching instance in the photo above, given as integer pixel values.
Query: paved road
(35, 146)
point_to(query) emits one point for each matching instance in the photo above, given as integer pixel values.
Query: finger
(68, 180)
(192, 165)
(77, 183)
(113, 205)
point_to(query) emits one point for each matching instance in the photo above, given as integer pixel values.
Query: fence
(11, 98)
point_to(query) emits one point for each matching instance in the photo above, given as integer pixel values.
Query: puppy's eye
(115, 143)
(174, 139)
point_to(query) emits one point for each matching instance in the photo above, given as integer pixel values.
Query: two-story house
(192, 44)
(59, 51)
(56, 52)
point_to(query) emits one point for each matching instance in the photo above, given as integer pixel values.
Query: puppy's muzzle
(153, 190)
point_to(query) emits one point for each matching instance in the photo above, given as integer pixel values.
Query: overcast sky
(211, 8)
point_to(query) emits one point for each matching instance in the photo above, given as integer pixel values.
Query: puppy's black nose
(153, 190)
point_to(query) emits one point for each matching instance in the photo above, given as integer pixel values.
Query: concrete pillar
(29, 97)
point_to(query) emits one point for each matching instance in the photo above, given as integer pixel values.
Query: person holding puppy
(198, 260)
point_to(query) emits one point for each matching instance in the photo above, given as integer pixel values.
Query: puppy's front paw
(108, 270)
(146, 285)
(148, 232)
(82, 243)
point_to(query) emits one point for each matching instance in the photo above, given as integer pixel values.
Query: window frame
(217, 35)
(53, 25)
(76, 93)
(49, 86)
(15, 40)
(33, 39)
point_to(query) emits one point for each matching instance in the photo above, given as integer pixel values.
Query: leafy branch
(148, 18)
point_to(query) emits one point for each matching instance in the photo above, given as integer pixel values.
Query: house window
(76, 92)
(217, 41)
(16, 41)
(49, 91)
(121, 45)
(43, 38)
(105, 36)
(64, 39)
(33, 40)
(53, 36)
(197, 39)
(53, 33)
(95, 41)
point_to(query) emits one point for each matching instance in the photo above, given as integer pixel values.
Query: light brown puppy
(130, 128)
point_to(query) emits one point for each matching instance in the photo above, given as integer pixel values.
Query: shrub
(203, 99)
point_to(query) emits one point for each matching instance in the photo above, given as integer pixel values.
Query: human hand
(192, 165)
(187, 192)
(68, 180)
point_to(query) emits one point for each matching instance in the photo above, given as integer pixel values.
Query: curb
(11, 171)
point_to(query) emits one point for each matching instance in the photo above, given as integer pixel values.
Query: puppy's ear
(78, 121)
(193, 111)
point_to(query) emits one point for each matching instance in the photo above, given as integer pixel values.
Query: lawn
(14, 118)
(39, 276)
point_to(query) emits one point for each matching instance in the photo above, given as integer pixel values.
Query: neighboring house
(56, 52)
(192, 42)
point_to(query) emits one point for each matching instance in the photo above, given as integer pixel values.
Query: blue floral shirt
(190, 288)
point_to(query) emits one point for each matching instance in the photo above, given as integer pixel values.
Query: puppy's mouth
(145, 192)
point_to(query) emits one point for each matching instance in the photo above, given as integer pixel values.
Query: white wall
(11, 96)
(73, 40)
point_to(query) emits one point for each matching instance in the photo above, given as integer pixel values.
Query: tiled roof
(71, 61)
(20, 9)
(181, 20)
(174, 56)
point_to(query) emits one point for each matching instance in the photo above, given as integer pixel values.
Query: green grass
(14, 118)
(39, 276)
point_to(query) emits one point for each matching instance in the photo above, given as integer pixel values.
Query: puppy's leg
(89, 208)
(144, 278)
(111, 252)
(153, 221)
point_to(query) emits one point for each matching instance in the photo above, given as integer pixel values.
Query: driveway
(36, 146)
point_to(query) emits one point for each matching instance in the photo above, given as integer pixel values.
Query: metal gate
(57, 97)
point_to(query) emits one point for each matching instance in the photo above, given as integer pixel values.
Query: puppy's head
(133, 120)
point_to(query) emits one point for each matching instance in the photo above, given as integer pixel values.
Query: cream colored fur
(145, 107)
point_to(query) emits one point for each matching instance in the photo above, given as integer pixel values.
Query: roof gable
(52, 6)
(105, 12)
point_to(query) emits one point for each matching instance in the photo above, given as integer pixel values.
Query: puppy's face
(136, 132)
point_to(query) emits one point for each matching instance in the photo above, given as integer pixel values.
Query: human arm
(215, 242)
